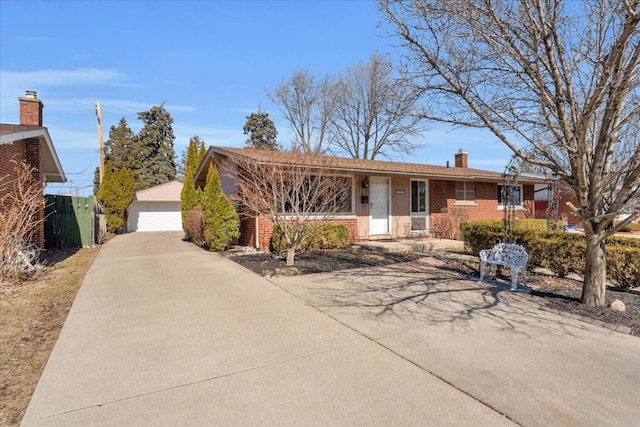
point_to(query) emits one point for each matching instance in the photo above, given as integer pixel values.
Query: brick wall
(442, 195)
(247, 231)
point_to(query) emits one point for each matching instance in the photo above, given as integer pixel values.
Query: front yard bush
(194, 225)
(623, 265)
(326, 236)
(531, 224)
(634, 226)
(561, 252)
(478, 235)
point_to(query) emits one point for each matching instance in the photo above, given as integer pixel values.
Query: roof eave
(56, 173)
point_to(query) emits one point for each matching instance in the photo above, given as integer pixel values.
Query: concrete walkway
(163, 333)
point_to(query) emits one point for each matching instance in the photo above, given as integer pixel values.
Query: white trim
(465, 203)
(43, 134)
(258, 231)
(426, 195)
(517, 207)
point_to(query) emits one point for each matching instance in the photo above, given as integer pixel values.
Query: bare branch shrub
(297, 196)
(194, 225)
(21, 205)
(450, 222)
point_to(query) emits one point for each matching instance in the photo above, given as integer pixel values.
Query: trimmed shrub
(115, 195)
(624, 241)
(325, 236)
(478, 235)
(623, 265)
(220, 221)
(561, 252)
(194, 225)
(531, 224)
(634, 226)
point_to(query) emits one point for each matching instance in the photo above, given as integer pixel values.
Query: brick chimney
(461, 159)
(30, 109)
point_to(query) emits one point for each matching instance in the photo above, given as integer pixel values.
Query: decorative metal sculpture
(552, 202)
(510, 181)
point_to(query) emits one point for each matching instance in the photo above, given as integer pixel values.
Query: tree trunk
(595, 272)
(291, 254)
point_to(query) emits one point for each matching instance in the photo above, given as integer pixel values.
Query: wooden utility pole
(100, 145)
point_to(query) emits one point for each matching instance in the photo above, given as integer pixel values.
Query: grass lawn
(32, 313)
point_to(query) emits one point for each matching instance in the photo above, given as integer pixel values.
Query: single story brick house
(390, 200)
(31, 143)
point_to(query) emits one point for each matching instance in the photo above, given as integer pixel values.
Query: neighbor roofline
(41, 133)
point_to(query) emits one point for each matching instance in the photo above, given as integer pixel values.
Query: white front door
(379, 205)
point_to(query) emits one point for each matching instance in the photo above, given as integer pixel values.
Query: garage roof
(168, 192)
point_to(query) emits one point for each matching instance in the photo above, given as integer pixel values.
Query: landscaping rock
(617, 305)
(287, 271)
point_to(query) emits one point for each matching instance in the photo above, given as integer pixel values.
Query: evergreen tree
(220, 220)
(120, 150)
(115, 195)
(191, 196)
(261, 130)
(155, 152)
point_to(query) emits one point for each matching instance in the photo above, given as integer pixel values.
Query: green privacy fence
(70, 222)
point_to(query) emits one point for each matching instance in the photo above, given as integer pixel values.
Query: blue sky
(209, 61)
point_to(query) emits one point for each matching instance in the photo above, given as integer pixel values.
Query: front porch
(401, 246)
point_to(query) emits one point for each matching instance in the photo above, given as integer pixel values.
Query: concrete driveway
(163, 333)
(536, 367)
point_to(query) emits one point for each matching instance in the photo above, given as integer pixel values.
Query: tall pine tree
(156, 153)
(120, 150)
(261, 130)
(191, 196)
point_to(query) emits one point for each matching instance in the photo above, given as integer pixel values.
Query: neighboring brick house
(30, 142)
(390, 200)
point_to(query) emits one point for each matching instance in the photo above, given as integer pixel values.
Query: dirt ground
(32, 313)
(557, 294)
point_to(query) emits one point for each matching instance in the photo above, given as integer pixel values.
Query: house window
(512, 192)
(316, 195)
(418, 196)
(465, 191)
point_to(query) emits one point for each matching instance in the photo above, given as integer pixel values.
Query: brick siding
(442, 197)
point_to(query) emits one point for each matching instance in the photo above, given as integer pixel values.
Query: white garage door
(154, 216)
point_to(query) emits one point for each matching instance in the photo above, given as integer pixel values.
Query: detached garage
(156, 209)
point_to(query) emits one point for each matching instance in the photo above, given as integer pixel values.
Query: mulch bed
(562, 295)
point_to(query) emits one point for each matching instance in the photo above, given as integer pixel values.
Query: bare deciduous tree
(20, 217)
(374, 114)
(555, 78)
(362, 111)
(297, 196)
(306, 103)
